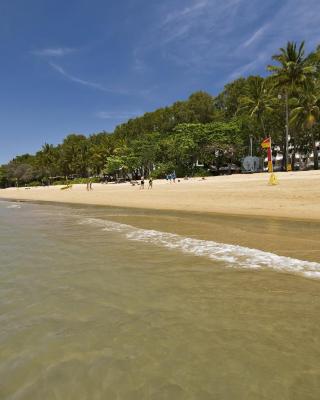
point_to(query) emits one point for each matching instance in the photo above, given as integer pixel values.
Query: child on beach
(142, 183)
(150, 183)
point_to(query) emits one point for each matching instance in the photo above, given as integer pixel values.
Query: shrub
(162, 170)
(59, 183)
(76, 181)
(34, 183)
(200, 172)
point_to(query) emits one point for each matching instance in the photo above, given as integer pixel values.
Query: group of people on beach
(171, 177)
(150, 183)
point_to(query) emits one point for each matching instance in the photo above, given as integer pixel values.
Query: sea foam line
(14, 206)
(231, 255)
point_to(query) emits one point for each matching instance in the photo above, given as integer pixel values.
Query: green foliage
(294, 70)
(115, 164)
(85, 180)
(35, 183)
(201, 172)
(58, 183)
(74, 155)
(162, 170)
(3, 177)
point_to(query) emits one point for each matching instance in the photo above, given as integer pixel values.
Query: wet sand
(297, 196)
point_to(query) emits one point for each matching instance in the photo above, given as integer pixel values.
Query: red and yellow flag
(266, 144)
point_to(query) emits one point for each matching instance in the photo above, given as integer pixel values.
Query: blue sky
(83, 66)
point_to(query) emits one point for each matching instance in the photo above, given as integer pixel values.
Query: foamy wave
(231, 255)
(14, 206)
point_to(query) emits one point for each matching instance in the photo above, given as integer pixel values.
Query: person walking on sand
(142, 183)
(90, 185)
(150, 183)
(170, 178)
(174, 176)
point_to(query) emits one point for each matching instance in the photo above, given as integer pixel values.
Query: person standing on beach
(150, 183)
(174, 176)
(142, 183)
(90, 185)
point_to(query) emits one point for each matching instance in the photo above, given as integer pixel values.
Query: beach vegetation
(162, 170)
(199, 135)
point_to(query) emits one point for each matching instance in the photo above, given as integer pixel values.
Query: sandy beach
(297, 196)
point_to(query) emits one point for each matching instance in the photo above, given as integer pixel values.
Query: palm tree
(313, 59)
(294, 69)
(306, 115)
(258, 100)
(294, 72)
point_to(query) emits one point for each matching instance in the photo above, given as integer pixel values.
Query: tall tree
(228, 101)
(258, 100)
(201, 104)
(294, 69)
(74, 155)
(306, 115)
(47, 160)
(293, 72)
(3, 176)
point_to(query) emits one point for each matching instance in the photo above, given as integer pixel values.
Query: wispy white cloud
(192, 33)
(200, 18)
(119, 115)
(178, 23)
(90, 84)
(190, 11)
(293, 20)
(53, 52)
(297, 20)
(255, 36)
(224, 39)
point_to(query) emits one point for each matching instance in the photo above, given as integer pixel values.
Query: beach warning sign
(266, 144)
(273, 180)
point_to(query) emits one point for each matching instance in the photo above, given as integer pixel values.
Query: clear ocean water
(105, 303)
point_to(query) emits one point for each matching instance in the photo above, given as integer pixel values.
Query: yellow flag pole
(273, 180)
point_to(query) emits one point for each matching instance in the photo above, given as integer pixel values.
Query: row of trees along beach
(210, 131)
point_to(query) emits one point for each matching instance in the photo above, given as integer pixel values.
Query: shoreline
(297, 197)
(166, 211)
(278, 236)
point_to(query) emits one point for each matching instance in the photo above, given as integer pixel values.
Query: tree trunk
(287, 129)
(283, 162)
(315, 155)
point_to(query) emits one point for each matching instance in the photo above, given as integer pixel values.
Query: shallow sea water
(106, 303)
